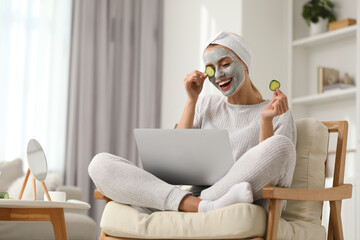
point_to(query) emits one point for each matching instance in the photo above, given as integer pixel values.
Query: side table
(38, 210)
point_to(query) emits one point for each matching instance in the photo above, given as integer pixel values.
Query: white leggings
(271, 162)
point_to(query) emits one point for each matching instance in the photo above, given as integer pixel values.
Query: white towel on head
(233, 42)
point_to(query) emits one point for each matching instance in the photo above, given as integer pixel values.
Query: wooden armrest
(99, 196)
(323, 194)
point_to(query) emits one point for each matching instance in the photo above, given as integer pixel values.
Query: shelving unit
(324, 38)
(336, 49)
(339, 49)
(326, 97)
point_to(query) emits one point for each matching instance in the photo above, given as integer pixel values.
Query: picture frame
(327, 78)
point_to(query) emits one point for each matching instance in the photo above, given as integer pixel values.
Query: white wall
(265, 28)
(187, 26)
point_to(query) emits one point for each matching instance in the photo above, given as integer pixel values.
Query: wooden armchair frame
(334, 195)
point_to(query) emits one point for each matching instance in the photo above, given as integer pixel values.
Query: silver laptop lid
(185, 156)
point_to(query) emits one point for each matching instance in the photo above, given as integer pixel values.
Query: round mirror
(36, 160)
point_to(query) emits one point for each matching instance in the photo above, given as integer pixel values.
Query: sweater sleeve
(285, 125)
(198, 116)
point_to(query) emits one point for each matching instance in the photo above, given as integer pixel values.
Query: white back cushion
(311, 154)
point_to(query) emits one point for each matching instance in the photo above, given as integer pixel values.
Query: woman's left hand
(277, 106)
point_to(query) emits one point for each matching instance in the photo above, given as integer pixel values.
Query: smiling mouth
(225, 84)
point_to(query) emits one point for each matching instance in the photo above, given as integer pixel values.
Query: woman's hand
(277, 106)
(194, 82)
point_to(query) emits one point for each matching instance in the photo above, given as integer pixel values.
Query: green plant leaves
(314, 9)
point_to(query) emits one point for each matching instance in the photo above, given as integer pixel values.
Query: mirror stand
(33, 186)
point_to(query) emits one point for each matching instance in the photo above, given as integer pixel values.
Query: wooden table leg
(57, 219)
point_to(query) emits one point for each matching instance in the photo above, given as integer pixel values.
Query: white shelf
(327, 37)
(326, 97)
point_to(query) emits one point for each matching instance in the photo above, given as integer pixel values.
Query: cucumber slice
(209, 71)
(274, 85)
(4, 195)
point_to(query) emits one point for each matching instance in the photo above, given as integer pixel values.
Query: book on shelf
(338, 86)
(341, 23)
(327, 77)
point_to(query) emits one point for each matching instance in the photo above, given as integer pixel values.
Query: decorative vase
(319, 27)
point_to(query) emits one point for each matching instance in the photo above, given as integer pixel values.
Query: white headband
(233, 42)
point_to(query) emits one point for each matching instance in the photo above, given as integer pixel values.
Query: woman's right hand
(194, 82)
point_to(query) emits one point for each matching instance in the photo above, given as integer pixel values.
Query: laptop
(198, 157)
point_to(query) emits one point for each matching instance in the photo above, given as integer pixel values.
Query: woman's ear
(245, 67)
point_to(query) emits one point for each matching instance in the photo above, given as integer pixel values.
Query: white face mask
(227, 78)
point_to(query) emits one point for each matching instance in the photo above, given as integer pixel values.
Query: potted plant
(317, 14)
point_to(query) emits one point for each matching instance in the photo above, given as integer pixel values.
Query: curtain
(115, 83)
(34, 65)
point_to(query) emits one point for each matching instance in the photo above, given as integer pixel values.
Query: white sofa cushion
(52, 181)
(10, 171)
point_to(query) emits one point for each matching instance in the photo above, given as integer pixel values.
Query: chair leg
(273, 219)
(330, 230)
(335, 224)
(102, 235)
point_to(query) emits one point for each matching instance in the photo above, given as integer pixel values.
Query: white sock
(239, 193)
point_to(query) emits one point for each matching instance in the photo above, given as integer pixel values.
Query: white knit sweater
(241, 121)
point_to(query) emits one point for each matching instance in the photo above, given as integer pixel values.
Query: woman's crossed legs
(271, 162)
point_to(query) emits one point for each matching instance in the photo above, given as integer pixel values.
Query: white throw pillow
(10, 171)
(52, 181)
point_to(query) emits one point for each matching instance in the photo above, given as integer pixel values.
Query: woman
(262, 134)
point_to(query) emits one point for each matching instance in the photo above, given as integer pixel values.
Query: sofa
(79, 226)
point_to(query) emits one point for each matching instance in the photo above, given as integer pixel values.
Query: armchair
(300, 220)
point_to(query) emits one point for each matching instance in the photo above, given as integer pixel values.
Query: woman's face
(229, 72)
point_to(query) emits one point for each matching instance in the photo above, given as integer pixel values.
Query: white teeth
(222, 83)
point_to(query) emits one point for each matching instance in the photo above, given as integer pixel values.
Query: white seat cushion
(240, 220)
